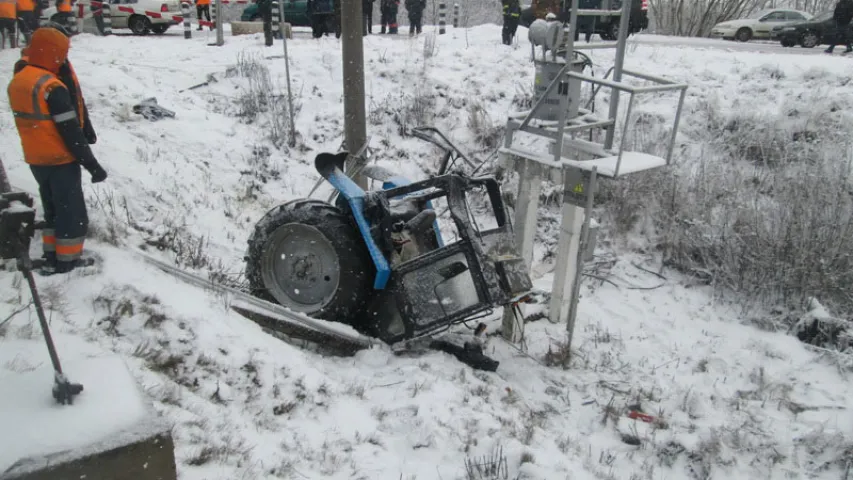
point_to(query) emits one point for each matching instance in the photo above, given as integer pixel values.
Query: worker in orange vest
(63, 8)
(8, 16)
(27, 18)
(55, 147)
(202, 6)
(68, 77)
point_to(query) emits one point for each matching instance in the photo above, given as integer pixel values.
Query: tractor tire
(308, 256)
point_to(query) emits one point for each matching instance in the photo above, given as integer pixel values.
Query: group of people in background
(20, 15)
(23, 16)
(326, 16)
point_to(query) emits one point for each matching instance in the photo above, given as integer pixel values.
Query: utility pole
(355, 129)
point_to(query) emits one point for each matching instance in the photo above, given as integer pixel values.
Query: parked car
(809, 34)
(138, 23)
(605, 26)
(295, 13)
(757, 26)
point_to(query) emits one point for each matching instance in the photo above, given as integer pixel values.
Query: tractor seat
(403, 210)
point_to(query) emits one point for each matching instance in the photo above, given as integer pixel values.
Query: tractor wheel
(308, 256)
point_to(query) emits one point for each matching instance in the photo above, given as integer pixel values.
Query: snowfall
(724, 398)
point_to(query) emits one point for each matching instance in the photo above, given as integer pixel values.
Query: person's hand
(97, 172)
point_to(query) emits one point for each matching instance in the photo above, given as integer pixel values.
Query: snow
(17, 207)
(35, 425)
(732, 401)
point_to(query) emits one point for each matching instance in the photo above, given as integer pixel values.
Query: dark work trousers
(8, 32)
(27, 24)
(65, 217)
(415, 22)
(202, 9)
(320, 24)
(509, 28)
(368, 22)
(65, 18)
(267, 17)
(842, 37)
(98, 13)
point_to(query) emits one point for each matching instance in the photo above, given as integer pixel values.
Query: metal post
(220, 36)
(107, 18)
(618, 62)
(277, 25)
(280, 19)
(442, 8)
(455, 15)
(584, 240)
(186, 12)
(73, 25)
(355, 128)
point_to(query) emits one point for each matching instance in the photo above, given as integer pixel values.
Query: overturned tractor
(378, 261)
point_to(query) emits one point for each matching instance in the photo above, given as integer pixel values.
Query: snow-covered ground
(727, 400)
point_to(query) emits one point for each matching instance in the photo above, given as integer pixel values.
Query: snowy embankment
(728, 400)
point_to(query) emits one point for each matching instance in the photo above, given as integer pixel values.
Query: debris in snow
(149, 109)
(819, 328)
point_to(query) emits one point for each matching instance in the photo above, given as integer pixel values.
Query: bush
(259, 102)
(764, 211)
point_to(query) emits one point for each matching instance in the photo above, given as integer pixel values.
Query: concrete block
(250, 28)
(111, 431)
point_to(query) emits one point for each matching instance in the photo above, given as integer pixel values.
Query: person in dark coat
(367, 10)
(337, 8)
(511, 14)
(388, 9)
(321, 11)
(416, 15)
(843, 15)
(265, 9)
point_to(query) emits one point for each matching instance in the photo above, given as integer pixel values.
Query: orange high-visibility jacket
(26, 5)
(202, 2)
(40, 139)
(8, 9)
(80, 105)
(64, 6)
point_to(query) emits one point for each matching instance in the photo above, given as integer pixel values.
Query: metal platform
(558, 118)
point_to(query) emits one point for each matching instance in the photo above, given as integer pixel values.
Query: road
(757, 46)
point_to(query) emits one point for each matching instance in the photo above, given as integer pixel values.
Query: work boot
(829, 50)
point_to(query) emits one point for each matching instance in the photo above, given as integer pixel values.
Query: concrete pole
(107, 19)
(526, 208)
(5, 186)
(280, 20)
(218, 23)
(186, 12)
(355, 128)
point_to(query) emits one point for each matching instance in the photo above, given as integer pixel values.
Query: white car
(147, 16)
(758, 25)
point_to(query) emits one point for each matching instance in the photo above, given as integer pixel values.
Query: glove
(97, 172)
(91, 138)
